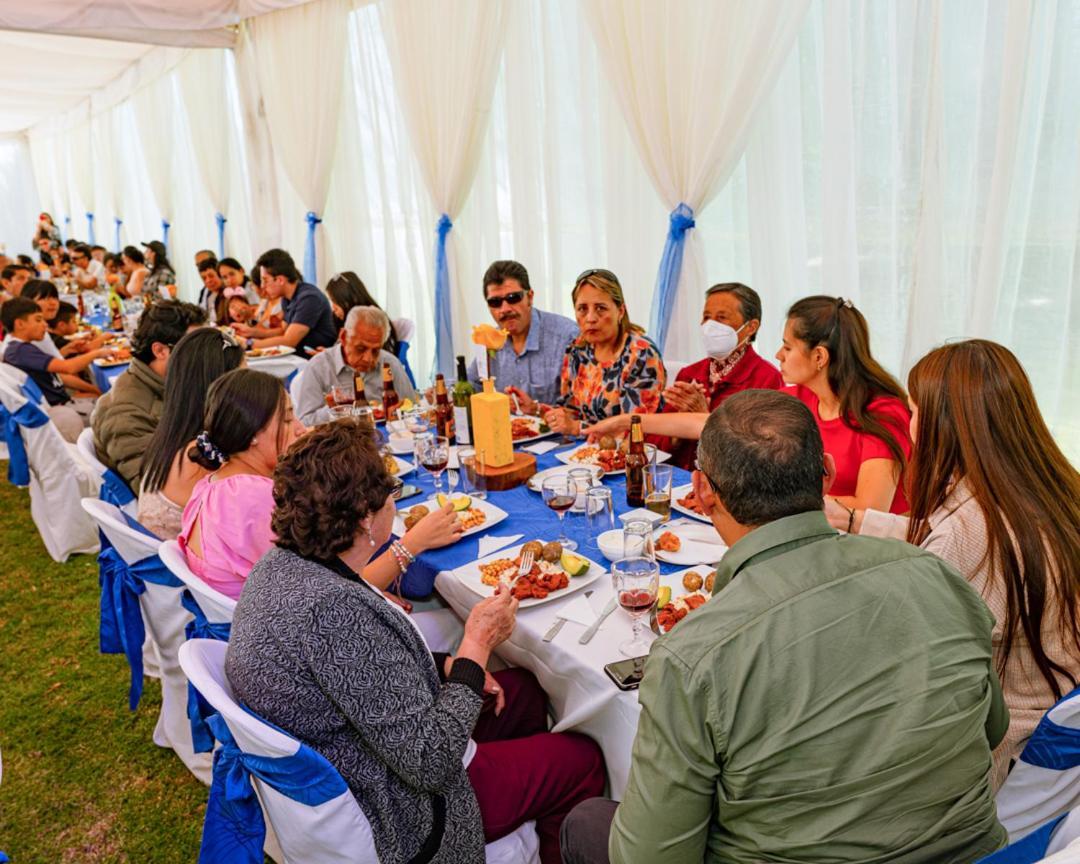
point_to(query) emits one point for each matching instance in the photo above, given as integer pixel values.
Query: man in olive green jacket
(835, 701)
(125, 418)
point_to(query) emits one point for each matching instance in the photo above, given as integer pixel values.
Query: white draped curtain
(445, 57)
(112, 178)
(155, 116)
(80, 175)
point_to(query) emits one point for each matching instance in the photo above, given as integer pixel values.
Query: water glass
(638, 540)
(471, 462)
(658, 490)
(600, 513)
(636, 582)
(650, 453)
(342, 394)
(582, 480)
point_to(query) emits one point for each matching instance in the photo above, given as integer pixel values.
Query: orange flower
(488, 336)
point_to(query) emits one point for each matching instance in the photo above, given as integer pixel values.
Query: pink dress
(234, 529)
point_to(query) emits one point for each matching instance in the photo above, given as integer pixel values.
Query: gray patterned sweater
(329, 661)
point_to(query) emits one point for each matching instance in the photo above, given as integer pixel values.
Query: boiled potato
(552, 552)
(691, 580)
(534, 546)
(607, 442)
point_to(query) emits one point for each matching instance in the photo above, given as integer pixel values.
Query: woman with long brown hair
(860, 408)
(993, 495)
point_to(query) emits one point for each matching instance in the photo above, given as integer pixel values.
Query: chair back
(294, 388)
(1045, 781)
(1056, 842)
(333, 832)
(217, 608)
(113, 488)
(133, 543)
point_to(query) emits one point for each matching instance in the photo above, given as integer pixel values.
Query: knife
(558, 625)
(588, 634)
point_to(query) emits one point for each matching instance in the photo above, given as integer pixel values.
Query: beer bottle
(463, 392)
(390, 398)
(636, 463)
(358, 387)
(444, 411)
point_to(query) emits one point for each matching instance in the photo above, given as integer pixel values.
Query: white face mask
(720, 339)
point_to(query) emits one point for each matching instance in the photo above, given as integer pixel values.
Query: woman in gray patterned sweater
(319, 651)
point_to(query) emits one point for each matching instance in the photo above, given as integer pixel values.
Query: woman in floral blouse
(612, 368)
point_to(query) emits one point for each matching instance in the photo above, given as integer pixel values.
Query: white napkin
(580, 611)
(542, 447)
(489, 544)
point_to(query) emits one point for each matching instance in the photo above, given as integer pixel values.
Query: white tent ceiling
(53, 55)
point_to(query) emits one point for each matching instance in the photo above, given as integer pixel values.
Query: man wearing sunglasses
(531, 360)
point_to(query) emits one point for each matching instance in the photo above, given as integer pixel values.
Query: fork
(526, 565)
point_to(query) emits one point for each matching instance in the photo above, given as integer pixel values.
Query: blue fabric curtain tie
(234, 830)
(121, 630)
(31, 416)
(444, 325)
(198, 709)
(114, 490)
(118, 222)
(310, 262)
(220, 219)
(667, 277)
(90, 226)
(165, 226)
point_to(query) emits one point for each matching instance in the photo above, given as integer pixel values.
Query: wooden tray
(512, 475)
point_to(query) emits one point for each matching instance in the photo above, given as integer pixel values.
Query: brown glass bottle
(390, 398)
(636, 463)
(444, 409)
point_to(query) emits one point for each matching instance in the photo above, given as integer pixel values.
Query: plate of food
(680, 594)
(535, 483)
(683, 500)
(120, 358)
(397, 467)
(685, 542)
(611, 460)
(555, 572)
(524, 428)
(267, 353)
(475, 515)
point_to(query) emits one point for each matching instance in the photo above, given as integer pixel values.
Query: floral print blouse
(630, 384)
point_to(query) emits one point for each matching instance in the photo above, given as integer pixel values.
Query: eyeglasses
(513, 298)
(597, 271)
(704, 473)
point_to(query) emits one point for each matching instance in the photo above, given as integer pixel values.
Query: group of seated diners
(898, 605)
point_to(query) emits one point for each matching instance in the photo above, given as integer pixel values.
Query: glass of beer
(658, 490)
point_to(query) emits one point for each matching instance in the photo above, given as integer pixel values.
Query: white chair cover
(165, 619)
(217, 608)
(294, 388)
(1045, 781)
(85, 446)
(58, 480)
(405, 328)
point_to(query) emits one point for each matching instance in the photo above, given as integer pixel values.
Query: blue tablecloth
(528, 515)
(104, 375)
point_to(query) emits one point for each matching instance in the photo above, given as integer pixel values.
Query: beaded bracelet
(402, 556)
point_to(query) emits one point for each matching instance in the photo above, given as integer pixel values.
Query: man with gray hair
(359, 352)
(835, 701)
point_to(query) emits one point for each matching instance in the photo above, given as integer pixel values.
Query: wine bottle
(463, 390)
(444, 410)
(635, 465)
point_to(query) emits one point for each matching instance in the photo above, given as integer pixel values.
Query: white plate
(674, 582)
(270, 353)
(494, 514)
(535, 482)
(469, 576)
(681, 492)
(403, 467)
(700, 543)
(109, 364)
(535, 421)
(565, 455)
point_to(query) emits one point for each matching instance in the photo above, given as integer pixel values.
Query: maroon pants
(521, 772)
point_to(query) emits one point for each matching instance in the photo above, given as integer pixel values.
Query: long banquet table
(583, 698)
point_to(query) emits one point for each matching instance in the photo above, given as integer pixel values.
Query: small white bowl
(611, 544)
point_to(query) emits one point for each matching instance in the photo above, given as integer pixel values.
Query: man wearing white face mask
(729, 323)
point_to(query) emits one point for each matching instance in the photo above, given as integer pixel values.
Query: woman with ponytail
(860, 408)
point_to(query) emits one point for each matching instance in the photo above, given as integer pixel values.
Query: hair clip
(847, 304)
(207, 448)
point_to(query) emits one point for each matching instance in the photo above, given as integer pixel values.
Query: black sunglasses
(597, 271)
(513, 298)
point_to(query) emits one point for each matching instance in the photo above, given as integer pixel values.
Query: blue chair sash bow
(31, 416)
(122, 630)
(198, 709)
(234, 830)
(114, 490)
(1026, 850)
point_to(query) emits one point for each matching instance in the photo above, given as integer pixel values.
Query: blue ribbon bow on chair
(31, 416)
(122, 630)
(198, 709)
(234, 830)
(114, 490)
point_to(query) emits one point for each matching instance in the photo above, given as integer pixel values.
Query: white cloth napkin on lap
(541, 447)
(489, 544)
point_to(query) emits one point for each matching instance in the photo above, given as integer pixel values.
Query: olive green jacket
(125, 419)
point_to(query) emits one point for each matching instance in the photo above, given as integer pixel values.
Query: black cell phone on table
(627, 674)
(405, 490)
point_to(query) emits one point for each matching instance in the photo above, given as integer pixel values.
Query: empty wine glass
(433, 451)
(560, 493)
(636, 582)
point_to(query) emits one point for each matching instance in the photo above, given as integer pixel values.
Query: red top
(751, 372)
(850, 448)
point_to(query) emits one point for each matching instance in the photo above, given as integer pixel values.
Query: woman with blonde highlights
(993, 495)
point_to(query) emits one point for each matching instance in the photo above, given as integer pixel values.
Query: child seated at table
(25, 324)
(240, 311)
(64, 326)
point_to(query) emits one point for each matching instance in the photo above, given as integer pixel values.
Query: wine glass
(433, 451)
(560, 493)
(636, 582)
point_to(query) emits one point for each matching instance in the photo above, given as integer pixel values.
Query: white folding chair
(164, 619)
(217, 607)
(113, 488)
(294, 388)
(58, 480)
(1056, 842)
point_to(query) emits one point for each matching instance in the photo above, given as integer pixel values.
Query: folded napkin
(489, 544)
(580, 611)
(541, 447)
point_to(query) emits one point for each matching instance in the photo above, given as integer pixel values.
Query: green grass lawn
(83, 781)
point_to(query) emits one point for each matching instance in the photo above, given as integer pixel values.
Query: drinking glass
(343, 395)
(416, 424)
(636, 582)
(560, 495)
(650, 453)
(600, 513)
(658, 490)
(433, 451)
(582, 480)
(473, 482)
(638, 540)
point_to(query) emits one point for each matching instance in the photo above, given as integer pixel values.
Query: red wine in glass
(436, 463)
(636, 602)
(561, 503)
